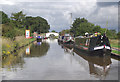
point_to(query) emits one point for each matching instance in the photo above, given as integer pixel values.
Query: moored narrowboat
(39, 39)
(60, 38)
(93, 43)
(68, 39)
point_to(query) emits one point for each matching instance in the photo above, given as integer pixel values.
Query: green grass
(117, 46)
(116, 52)
(114, 43)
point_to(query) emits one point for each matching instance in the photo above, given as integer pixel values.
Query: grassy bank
(115, 43)
(12, 60)
(9, 45)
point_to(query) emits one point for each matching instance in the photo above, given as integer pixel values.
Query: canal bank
(9, 46)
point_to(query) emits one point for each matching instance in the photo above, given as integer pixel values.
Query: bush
(10, 34)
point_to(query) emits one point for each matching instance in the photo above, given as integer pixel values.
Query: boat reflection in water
(28, 50)
(39, 43)
(98, 65)
(67, 49)
(38, 49)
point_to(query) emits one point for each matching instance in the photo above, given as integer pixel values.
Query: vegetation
(53, 31)
(118, 34)
(18, 19)
(67, 31)
(116, 52)
(4, 18)
(81, 25)
(37, 24)
(18, 22)
(13, 59)
(9, 45)
(115, 44)
(13, 30)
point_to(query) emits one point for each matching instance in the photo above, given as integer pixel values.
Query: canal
(49, 60)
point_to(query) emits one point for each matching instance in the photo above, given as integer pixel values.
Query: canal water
(48, 60)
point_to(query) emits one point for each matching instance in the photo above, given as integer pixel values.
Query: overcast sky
(57, 12)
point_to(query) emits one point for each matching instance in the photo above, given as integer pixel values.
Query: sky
(57, 12)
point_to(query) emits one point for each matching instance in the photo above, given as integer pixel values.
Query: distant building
(35, 34)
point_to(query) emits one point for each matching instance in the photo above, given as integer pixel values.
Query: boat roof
(82, 37)
(86, 37)
(67, 35)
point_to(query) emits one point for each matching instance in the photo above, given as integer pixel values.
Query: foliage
(37, 24)
(10, 45)
(3, 18)
(8, 31)
(53, 31)
(111, 34)
(17, 19)
(19, 22)
(64, 32)
(118, 35)
(81, 26)
(10, 34)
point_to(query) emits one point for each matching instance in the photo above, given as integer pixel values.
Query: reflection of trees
(98, 65)
(38, 50)
(16, 59)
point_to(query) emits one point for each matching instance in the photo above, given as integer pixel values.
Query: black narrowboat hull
(94, 45)
(39, 39)
(71, 45)
(101, 52)
(68, 42)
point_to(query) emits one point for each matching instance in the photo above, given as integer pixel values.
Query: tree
(118, 35)
(53, 31)
(67, 31)
(4, 18)
(18, 19)
(96, 28)
(111, 34)
(37, 24)
(80, 26)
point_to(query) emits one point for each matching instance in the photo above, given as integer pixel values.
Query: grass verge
(116, 52)
(9, 45)
(115, 43)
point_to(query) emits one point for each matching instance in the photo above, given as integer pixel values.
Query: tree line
(19, 22)
(81, 25)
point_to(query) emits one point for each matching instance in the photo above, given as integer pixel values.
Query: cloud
(108, 0)
(7, 2)
(104, 14)
(57, 13)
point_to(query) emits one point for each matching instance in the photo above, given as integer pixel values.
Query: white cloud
(105, 14)
(7, 2)
(80, 9)
(58, 12)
